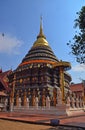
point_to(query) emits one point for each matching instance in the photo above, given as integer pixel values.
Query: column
(48, 102)
(36, 102)
(43, 98)
(25, 99)
(62, 83)
(5, 104)
(54, 97)
(27, 102)
(17, 98)
(11, 100)
(68, 101)
(73, 102)
(59, 96)
(77, 103)
(20, 102)
(33, 98)
(12, 94)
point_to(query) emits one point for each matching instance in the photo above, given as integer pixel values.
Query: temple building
(40, 77)
(4, 89)
(78, 89)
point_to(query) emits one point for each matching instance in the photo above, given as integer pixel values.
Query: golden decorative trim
(37, 61)
(63, 64)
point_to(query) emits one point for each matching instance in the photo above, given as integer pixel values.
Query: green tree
(78, 43)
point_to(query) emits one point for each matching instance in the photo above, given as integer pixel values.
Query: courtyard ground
(11, 125)
(24, 121)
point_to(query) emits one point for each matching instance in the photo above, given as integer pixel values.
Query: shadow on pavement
(65, 128)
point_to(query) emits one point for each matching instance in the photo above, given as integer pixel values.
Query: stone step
(59, 110)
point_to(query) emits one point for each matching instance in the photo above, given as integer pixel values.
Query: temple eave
(64, 64)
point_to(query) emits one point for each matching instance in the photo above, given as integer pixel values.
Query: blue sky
(20, 22)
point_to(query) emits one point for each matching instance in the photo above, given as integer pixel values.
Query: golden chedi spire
(41, 39)
(41, 34)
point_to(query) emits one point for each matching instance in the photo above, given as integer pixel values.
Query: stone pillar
(37, 92)
(54, 96)
(27, 103)
(68, 101)
(73, 102)
(11, 107)
(5, 104)
(59, 96)
(11, 101)
(43, 100)
(33, 100)
(77, 103)
(17, 98)
(25, 99)
(62, 83)
(48, 102)
(20, 102)
(36, 102)
(12, 94)
(80, 102)
(83, 105)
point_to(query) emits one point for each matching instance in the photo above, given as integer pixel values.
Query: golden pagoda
(40, 75)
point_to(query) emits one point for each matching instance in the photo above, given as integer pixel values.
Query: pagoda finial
(41, 28)
(41, 34)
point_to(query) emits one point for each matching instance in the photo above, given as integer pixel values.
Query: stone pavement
(74, 120)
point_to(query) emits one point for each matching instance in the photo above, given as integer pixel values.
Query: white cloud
(9, 44)
(79, 68)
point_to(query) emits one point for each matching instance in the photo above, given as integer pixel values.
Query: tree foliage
(78, 43)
